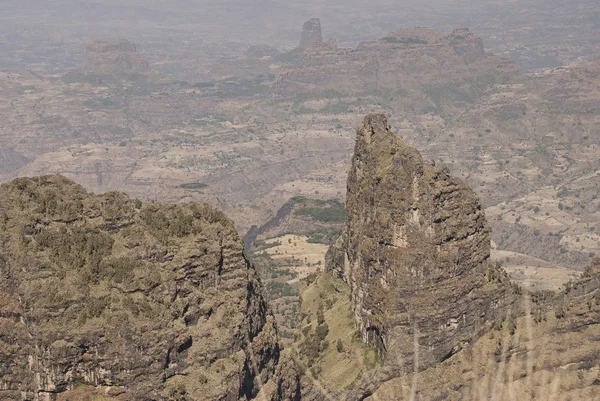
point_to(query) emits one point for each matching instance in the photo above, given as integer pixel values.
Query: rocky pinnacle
(311, 33)
(415, 252)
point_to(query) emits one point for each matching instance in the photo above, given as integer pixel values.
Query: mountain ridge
(137, 300)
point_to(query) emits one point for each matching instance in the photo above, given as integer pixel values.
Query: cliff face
(114, 57)
(415, 252)
(142, 301)
(549, 353)
(407, 59)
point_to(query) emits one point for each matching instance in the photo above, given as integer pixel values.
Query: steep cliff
(549, 353)
(112, 297)
(114, 57)
(448, 324)
(415, 251)
(311, 33)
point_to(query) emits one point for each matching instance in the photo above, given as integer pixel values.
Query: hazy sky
(61, 28)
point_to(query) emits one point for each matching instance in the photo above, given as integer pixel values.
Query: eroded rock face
(415, 251)
(114, 57)
(311, 33)
(140, 300)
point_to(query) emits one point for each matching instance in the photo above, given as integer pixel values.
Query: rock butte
(311, 33)
(107, 297)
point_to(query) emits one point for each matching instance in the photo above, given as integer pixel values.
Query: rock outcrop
(467, 45)
(550, 352)
(112, 297)
(114, 57)
(407, 59)
(415, 251)
(311, 33)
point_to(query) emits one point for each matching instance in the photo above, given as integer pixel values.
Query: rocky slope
(415, 252)
(530, 150)
(115, 298)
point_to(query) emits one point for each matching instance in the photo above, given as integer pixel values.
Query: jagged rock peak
(114, 298)
(115, 57)
(414, 251)
(311, 33)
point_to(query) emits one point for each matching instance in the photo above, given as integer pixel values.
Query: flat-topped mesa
(115, 57)
(311, 33)
(406, 59)
(415, 251)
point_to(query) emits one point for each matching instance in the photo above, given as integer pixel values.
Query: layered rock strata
(107, 295)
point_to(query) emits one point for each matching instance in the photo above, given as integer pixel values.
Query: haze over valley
(159, 136)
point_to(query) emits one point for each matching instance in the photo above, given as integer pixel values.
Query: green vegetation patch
(193, 185)
(329, 345)
(277, 289)
(405, 41)
(232, 88)
(325, 236)
(325, 211)
(82, 249)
